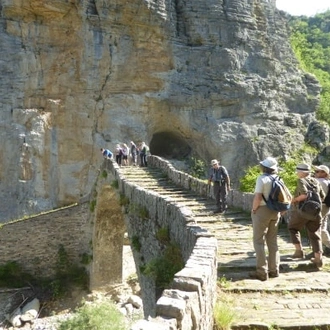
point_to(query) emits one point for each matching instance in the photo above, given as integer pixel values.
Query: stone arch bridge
(217, 251)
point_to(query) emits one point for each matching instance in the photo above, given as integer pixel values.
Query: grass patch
(140, 211)
(123, 200)
(136, 245)
(224, 315)
(163, 235)
(13, 276)
(103, 316)
(163, 268)
(92, 205)
(115, 184)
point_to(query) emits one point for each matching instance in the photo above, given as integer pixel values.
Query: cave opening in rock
(169, 145)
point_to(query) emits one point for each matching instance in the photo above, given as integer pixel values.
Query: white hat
(269, 162)
(323, 168)
(303, 168)
(214, 161)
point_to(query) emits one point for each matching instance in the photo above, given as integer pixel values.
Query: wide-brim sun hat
(303, 168)
(270, 162)
(214, 161)
(323, 168)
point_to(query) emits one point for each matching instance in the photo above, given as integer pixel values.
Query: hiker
(125, 153)
(144, 150)
(221, 185)
(298, 220)
(106, 153)
(133, 152)
(119, 154)
(265, 224)
(322, 175)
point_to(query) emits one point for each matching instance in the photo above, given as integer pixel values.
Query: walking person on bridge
(297, 221)
(221, 185)
(265, 224)
(322, 175)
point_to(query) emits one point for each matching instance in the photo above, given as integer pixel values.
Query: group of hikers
(312, 186)
(126, 155)
(309, 209)
(266, 217)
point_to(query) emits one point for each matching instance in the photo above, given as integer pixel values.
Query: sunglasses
(318, 171)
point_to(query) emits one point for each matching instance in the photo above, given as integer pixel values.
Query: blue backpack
(279, 198)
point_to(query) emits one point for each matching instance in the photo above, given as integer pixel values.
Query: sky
(303, 7)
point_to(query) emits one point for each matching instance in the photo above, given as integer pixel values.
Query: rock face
(213, 78)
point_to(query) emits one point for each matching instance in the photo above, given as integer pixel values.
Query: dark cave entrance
(169, 145)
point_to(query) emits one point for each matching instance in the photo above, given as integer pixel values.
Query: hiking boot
(298, 254)
(273, 274)
(258, 276)
(218, 211)
(317, 262)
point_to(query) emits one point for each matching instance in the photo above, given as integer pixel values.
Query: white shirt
(264, 186)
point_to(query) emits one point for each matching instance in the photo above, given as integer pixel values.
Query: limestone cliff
(213, 77)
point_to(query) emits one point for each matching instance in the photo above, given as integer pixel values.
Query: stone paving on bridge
(297, 299)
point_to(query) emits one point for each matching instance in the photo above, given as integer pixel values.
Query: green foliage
(197, 168)
(287, 173)
(310, 40)
(104, 174)
(224, 316)
(92, 205)
(163, 235)
(123, 200)
(67, 274)
(136, 245)
(103, 316)
(13, 276)
(115, 184)
(163, 268)
(248, 181)
(86, 258)
(140, 211)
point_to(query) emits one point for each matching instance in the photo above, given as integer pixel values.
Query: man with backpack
(221, 185)
(308, 196)
(265, 223)
(322, 175)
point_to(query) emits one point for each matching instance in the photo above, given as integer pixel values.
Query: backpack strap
(273, 178)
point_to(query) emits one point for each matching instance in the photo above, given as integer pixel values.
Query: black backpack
(311, 207)
(327, 197)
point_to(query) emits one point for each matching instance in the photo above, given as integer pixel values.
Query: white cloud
(303, 7)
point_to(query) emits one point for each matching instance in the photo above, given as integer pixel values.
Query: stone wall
(34, 242)
(236, 198)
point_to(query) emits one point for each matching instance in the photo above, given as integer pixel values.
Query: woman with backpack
(265, 224)
(300, 216)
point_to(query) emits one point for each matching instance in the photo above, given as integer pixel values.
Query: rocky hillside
(215, 78)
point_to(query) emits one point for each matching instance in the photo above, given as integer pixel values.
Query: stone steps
(297, 299)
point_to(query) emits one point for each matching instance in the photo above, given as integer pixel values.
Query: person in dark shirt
(221, 185)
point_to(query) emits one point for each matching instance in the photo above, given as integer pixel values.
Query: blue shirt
(107, 153)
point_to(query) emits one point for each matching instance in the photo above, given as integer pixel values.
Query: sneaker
(258, 276)
(298, 254)
(326, 251)
(317, 262)
(273, 274)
